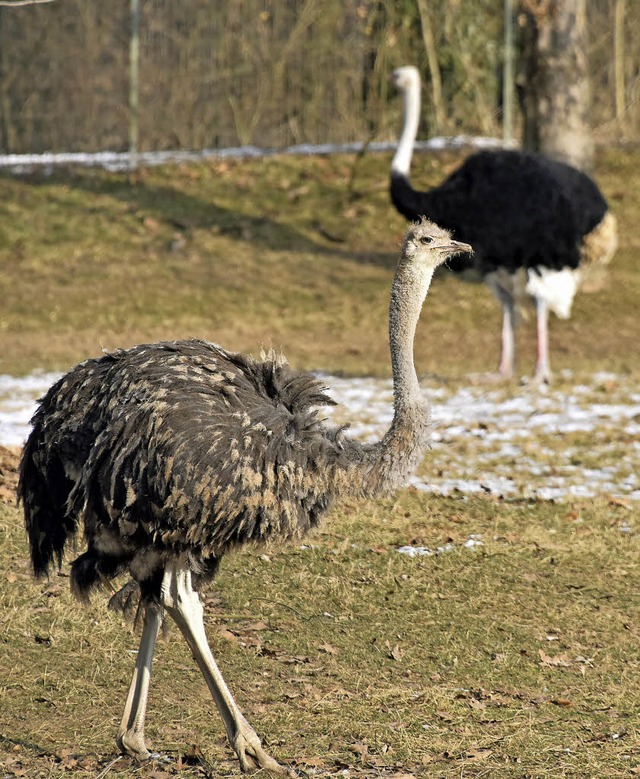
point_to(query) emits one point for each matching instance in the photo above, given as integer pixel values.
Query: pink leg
(543, 369)
(502, 286)
(508, 354)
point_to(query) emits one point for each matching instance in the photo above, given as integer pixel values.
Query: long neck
(390, 462)
(409, 289)
(409, 202)
(401, 162)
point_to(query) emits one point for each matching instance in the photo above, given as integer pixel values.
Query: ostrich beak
(459, 248)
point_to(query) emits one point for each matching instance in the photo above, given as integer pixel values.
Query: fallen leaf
(478, 754)
(359, 748)
(258, 625)
(225, 633)
(557, 661)
(613, 501)
(311, 762)
(295, 659)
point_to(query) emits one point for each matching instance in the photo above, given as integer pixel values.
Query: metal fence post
(507, 74)
(134, 56)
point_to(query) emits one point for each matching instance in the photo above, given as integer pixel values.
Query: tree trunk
(434, 68)
(557, 95)
(618, 58)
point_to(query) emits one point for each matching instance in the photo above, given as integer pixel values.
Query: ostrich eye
(426, 239)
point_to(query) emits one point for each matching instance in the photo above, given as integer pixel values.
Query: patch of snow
(516, 443)
(119, 161)
(424, 551)
(18, 398)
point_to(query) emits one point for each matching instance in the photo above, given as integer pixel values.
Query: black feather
(516, 209)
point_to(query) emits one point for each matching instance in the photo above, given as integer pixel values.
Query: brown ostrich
(170, 454)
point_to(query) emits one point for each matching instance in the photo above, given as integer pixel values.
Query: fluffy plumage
(170, 454)
(526, 216)
(151, 445)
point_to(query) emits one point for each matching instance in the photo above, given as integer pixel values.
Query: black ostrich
(170, 454)
(537, 226)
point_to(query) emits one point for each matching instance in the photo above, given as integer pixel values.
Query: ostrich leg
(183, 604)
(506, 366)
(130, 736)
(543, 369)
(508, 351)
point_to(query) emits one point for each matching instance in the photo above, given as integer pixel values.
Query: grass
(292, 252)
(518, 658)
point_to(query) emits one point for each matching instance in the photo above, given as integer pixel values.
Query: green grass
(519, 658)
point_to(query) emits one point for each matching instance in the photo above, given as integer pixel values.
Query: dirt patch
(9, 462)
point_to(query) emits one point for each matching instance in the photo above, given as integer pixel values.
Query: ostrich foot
(131, 742)
(133, 745)
(541, 378)
(252, 755)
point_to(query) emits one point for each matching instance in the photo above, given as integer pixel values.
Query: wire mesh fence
(214, 74)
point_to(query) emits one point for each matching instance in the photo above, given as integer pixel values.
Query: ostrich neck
(401, 162)
(396, 456)
(408, 292)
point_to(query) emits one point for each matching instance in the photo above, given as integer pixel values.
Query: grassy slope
(92, 260)
(519, 659)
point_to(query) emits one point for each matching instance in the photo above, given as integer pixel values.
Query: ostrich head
(406, 77)
(426, 245)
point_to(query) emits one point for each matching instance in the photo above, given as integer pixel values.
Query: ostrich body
(170, 454)
(538, 227)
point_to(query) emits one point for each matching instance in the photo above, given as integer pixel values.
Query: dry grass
(518, 658)
(297, 252)
(515, 659)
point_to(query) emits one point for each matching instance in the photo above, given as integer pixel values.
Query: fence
(216, 74)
